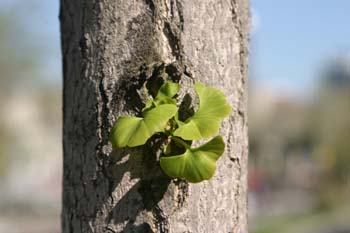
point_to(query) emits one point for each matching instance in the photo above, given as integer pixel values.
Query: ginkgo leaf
(168, 90)
(164, 96)
(196, 164)
(135, 131)
(206, 121)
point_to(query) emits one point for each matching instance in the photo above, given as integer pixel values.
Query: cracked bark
(110, 48)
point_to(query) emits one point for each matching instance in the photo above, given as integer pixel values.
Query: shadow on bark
(140, 163)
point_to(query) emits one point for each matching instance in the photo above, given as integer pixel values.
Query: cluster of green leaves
(160, 116)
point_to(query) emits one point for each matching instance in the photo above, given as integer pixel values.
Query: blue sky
(292, 40)
(35, 27)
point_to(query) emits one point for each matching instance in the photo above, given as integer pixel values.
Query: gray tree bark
(110, 49)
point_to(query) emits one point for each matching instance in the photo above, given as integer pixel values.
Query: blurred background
(299, 117)
(30, 117)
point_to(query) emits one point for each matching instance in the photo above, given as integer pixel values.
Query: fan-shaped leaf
(164, 96)
(206, 121)
(135, 131)
(196, 164)
(168, 90)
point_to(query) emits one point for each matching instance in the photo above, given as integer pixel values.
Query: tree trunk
(110, 49)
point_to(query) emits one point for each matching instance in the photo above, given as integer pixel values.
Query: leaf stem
(180, 141)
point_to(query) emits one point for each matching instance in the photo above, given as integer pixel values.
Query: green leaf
(168, 90)
(135, 131)
(164, 96)
(206, 121)
(196, 164)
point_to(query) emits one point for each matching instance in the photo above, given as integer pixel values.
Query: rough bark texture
(110, 48)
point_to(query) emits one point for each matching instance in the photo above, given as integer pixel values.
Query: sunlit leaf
(135, 131)
(206, 121)
(196, 164)
(168, 90)
(164, 96)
